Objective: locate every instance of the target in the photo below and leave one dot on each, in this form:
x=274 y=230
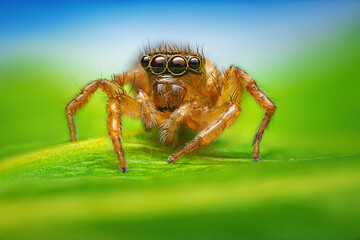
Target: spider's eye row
x=177 y=65
x=194 y=63
x=145 y=61
x=158 y=64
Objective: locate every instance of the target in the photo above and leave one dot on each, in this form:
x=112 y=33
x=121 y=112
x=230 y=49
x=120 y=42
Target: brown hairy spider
x=175 y=86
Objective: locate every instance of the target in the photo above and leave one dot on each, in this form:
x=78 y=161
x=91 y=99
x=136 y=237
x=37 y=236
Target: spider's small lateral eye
x=177 y=65
x=145 y=61
x=158 y=64
x=194 y=63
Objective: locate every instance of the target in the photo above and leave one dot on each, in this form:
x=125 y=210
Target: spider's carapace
x=175 y=86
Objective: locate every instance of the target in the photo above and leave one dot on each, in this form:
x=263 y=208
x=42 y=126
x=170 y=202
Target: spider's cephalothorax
x=175 y=86
x=170 y=74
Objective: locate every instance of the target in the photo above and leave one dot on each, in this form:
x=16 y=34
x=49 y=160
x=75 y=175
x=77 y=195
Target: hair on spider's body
x=172 y=49
x=175 y=86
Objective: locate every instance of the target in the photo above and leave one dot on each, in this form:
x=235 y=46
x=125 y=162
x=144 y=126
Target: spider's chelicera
x=175 y=86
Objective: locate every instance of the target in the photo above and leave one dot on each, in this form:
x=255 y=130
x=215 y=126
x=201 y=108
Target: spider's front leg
x=235 y=80
x=225 y=114
x=120 y=102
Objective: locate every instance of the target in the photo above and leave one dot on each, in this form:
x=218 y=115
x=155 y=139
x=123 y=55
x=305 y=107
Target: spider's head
x=171 y=71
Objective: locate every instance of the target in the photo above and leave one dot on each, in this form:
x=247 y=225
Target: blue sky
x=105 y=36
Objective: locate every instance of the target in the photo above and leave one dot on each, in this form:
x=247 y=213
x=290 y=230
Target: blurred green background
x=305 y=56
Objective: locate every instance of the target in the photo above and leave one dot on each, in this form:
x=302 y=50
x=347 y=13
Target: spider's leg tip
x=257 y=159
x=123 y=169
x=170 y=160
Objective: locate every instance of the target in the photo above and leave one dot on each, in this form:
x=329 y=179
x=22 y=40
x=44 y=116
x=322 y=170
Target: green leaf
x=75 y=190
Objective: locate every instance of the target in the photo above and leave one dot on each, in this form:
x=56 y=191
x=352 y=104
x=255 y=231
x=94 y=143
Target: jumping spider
x=175 y=86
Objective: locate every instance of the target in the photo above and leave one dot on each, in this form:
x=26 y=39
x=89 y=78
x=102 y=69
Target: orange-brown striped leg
x=76 y=104
x=263 y=100
x=110 y=88
x=114 y=128
x=211 y=132
x=136 y=78
x=169 y=127
x=147 y=110
x=117 y=97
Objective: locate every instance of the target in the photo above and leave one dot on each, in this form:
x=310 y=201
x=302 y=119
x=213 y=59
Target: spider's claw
x=257 y=159
x=170 y=160
x=123 y=169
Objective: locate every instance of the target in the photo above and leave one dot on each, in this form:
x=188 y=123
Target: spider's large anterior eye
x=177 y=65
x=158 y=64
x=145 y=61
x=194 y=63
